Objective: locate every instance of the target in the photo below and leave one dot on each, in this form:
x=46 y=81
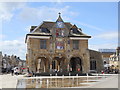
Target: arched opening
x=42 y=64
x=53 y=64
x=57 y=63
x=76 y=64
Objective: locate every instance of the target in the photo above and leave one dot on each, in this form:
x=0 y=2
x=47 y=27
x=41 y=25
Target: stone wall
x=95 y=55
x=34 y=53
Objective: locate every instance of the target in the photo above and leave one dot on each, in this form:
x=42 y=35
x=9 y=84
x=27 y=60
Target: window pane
x=75 y=44
x=43 y=44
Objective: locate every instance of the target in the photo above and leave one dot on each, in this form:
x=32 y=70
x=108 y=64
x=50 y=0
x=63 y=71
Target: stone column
x=38 y=65
x=44 y=60
x=58 y=65
x=68 y=65
x=64 y=67
x=50 y=63
x=47 y=65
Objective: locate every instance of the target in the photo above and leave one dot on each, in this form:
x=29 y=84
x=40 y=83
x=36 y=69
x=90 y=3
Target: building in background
x=114 y=60
x=0 y=62
x=106 y=53
x=96 y=62
x=58 y=46
x=8 y=62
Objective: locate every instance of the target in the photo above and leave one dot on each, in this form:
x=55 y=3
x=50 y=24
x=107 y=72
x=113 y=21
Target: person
x=102 y=72
x=12 y=71
x=78 y=69
x=16 y=70
x=28 y=70
x=33 y=73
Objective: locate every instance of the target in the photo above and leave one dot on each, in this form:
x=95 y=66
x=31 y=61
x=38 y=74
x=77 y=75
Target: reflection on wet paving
x=55 y=82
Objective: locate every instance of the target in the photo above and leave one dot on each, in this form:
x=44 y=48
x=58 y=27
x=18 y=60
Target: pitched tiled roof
x=46 y=26
x=49 y=25
x=46 y=29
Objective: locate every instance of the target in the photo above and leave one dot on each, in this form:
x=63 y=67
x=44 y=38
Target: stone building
x=114 y=60
x=96 y=62
x=106 y=53
x=0 y=62
x=57 y=46
x=11 y=61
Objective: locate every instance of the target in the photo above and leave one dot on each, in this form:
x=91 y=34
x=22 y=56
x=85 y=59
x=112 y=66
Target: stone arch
x=76 y=64
x=57 y=63
x=42 y=64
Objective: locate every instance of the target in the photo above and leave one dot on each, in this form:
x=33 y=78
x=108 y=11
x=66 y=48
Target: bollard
x=63 y=80
x=40 y=83
x=47 y=83
x=77 y=79
x=56 y=82
x=97 y=75
x=73 y=82
x=104 y=75
x=69 y=74
x=56 y=74
x=87 y=77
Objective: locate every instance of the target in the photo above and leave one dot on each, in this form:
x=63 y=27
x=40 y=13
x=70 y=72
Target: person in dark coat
x=12 y=71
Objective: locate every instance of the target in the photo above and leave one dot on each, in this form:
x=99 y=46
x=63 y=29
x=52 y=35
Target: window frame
x=43 y=44
x=75 y=45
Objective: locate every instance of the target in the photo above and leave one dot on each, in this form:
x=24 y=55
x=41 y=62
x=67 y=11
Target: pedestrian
x=78 y=69
x=12 y=71
x=28 y=70
x=102 y=72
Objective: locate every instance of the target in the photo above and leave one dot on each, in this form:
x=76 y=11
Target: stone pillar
x=86 y=63
x=44 y=66
x=58 y=65
x=50 y=66
x=68 y=65
x=38 y=65
x=47 y=65
x=64 y=65
x=50 y=63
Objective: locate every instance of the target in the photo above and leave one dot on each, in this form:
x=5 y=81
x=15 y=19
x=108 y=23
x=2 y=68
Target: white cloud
x=44 y=13
x=107 y=35
x=103 y=46
x=7 y=9
x=2 y=36
x=27 y=29
x=91 y=26
x=16 y=47
x=88 y=25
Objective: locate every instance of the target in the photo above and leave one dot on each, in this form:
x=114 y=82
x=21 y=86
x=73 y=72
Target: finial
x=59 y=13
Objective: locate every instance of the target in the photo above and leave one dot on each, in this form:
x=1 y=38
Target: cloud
x=90 y=26
x=27 y=29
x=16 y=47
x=27 y=14
x=45 y=13
x=103 y=46
x=2 y=36
x=7 y=9
x=107 y=35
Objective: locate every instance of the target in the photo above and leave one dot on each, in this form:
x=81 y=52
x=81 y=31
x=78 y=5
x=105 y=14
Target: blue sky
x=98 y=19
